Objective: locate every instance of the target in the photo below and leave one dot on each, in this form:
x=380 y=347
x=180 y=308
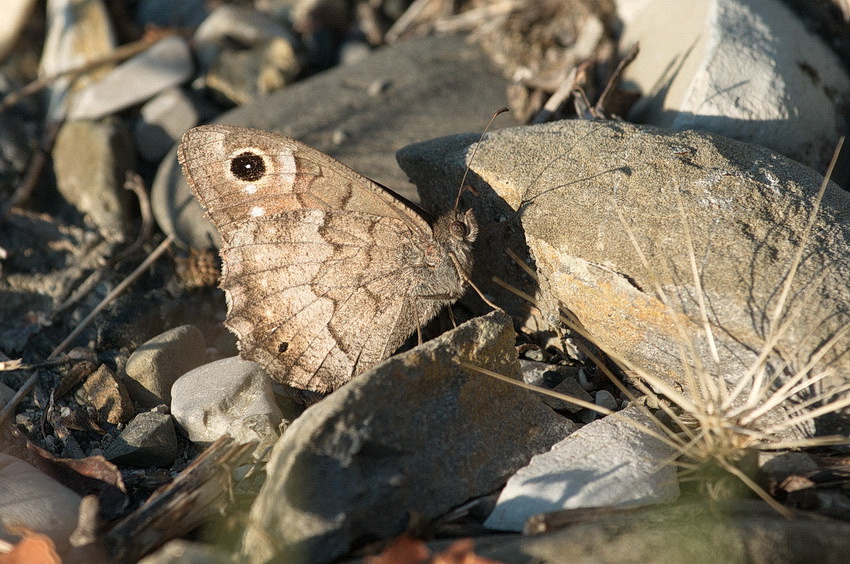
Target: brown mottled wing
x=313 y=253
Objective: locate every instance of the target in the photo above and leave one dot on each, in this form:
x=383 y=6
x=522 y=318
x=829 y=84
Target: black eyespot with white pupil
x=248 y=166
x=458 y=229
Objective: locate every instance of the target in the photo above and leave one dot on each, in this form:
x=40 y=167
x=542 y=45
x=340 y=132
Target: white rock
x=31 y=498
x=15 y=14
x=227 y=397
x=164 y=64
x=607 y=462
x=748 y=69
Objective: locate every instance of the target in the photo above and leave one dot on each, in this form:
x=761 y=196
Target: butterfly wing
x=320 y=264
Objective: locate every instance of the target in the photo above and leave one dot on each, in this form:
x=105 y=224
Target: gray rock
x=696 y=533
x=607 y=462
x=149 y=439
x=165 y=64
x=167 y=13
x=780 y=465
x=227 y=397
x=435 y=86
x=90 y=161
x=243 y=76
x=154 y=367
x=747 y=69
x=556 y=378
x=605 y=399
x=747 y=209
x=181 y=551
x=416 y=434
x=163 y=119
x=77 y=33
x=6 y=394
x=229 y=23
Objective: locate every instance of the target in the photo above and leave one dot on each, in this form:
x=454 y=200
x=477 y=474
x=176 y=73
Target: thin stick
x=9 y=408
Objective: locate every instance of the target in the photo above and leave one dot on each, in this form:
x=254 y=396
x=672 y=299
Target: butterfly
x=326 y=272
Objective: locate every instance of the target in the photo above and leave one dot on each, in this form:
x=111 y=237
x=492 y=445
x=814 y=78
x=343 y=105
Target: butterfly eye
x=248 y=166
x=458 y=229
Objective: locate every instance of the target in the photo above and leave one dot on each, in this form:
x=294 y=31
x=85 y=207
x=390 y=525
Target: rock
x=606 y=463
x=166 y=13
x=228 y=24
x=244 y=76
x=227 y=397
x=163 y=119
x=557 y=379
x=695 y=532
x=268 y=57
x=430 y=83
x=15 y=15
x=6 y=394
x=78 y=32
x=90 y=161
x=347 y=470
x=163 y=65
x=154 y=367
x=30 y=498
x=746 y=209
x=746 y=69
x=606 y=399
x=181 y=551
x=109 y=396
x=780 y=465
x=148 y=440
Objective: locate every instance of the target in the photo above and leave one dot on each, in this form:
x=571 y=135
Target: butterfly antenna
x=472 y=156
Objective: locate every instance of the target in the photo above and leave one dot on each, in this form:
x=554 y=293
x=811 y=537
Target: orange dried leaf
x=403 y=550
x=461 y=552
x=33 y=548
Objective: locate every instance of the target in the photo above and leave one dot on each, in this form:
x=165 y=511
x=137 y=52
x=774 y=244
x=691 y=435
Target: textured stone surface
x=417 y=433
x=230 y=396
x=747 y=69
x=745 y=207
x=154 y=367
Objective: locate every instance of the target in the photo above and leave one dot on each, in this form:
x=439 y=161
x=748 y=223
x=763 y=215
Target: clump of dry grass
x=716 y=428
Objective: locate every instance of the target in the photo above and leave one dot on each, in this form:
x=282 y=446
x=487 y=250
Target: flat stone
x=747 y=69
x=429 y=85
x=90 y=161
x=162 y=120
x=418 y=433
x=226 y=397
x=165 y=64
x=605 y=463
x=153 y=368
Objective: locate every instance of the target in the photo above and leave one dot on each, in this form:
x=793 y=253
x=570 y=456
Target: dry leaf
x=33 y=548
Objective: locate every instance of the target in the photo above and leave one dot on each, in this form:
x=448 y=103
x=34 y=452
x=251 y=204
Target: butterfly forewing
x=320 y=265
